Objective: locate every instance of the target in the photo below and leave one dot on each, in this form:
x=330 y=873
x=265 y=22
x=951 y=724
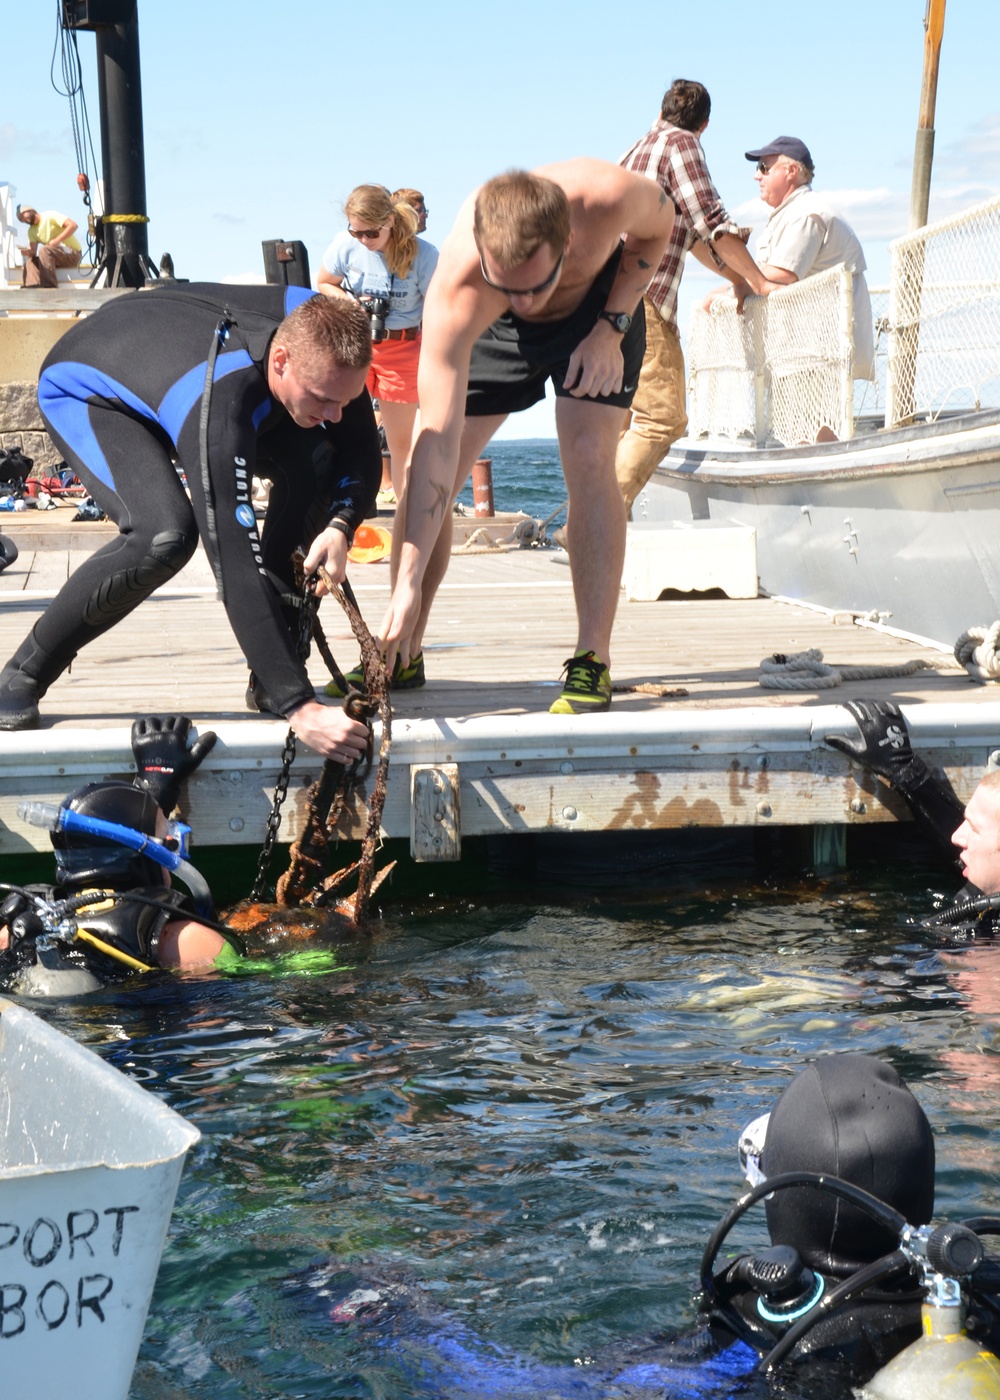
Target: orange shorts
x=393 y=375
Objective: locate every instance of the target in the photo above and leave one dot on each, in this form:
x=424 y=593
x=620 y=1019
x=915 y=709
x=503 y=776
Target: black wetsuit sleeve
x=933 y=803
x=357 y=461
x=234 y=545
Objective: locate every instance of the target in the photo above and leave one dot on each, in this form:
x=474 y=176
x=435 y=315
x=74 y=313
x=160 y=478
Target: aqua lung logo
x=244 y=508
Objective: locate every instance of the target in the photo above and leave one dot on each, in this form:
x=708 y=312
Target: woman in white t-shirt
x=380 y=260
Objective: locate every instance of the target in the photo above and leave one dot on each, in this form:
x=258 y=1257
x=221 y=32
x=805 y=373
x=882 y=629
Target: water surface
x=516 y=1115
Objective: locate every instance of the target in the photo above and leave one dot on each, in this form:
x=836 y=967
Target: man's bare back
x=536 y=249
x=595 y=195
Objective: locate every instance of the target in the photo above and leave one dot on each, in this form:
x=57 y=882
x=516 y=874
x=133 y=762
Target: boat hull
x=905 y=523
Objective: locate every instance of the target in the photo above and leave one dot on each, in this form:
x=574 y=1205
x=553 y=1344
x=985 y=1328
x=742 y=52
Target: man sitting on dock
x=51 y=245
x=541 y=277
x=671 y=153
x=233 y=382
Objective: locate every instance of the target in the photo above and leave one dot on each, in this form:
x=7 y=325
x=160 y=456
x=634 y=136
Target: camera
x=378 y=309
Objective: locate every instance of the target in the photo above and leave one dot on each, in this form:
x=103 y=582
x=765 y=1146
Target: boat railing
x=944 y=314
x=781 y=370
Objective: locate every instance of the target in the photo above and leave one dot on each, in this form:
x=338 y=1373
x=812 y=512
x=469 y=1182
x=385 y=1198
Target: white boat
x=899 y=517
x=89 y=1167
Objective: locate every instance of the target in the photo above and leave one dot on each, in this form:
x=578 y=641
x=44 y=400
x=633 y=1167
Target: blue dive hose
x=56 y=818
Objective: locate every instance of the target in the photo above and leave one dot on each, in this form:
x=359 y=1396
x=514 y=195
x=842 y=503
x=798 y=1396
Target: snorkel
x=63 y=819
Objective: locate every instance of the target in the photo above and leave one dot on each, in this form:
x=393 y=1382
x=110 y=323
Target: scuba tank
x=943 y=1364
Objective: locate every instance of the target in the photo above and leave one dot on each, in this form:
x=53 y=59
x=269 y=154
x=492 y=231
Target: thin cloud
x=228 y=218
x=15 y=143
x=973 y=158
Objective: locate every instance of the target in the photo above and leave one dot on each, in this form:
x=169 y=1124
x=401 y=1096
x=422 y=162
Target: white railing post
x=756 y=309
x=847 y=354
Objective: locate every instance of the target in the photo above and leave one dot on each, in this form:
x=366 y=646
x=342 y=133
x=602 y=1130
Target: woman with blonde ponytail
x=380 y=261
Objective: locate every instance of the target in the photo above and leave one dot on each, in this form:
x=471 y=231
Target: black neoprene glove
x=885 y=748
x=162 y=757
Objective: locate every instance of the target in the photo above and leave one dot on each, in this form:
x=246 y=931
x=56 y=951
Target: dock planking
x=475 y=751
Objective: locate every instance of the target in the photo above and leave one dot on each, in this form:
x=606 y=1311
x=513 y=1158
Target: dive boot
x=24 y=680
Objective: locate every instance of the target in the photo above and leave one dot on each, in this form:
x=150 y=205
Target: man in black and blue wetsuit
x=228 y=382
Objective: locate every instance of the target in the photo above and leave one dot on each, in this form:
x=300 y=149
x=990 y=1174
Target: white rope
x=976 y=650
x=806 y=670
x=479 y=542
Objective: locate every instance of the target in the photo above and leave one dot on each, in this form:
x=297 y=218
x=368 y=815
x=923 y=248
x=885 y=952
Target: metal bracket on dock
x=435 y=812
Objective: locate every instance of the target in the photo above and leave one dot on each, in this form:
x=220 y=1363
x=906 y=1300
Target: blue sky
x=260 y=119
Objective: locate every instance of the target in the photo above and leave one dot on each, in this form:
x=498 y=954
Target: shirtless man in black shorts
x=542 y=276
x=229 y=382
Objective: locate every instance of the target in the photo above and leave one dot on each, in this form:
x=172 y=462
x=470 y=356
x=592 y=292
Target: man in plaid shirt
x=670 y=153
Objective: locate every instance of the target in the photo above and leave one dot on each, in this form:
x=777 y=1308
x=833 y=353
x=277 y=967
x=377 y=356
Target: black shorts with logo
x=512 y=359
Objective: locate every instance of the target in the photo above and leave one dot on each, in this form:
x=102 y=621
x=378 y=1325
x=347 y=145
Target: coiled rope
x=806 y=670
x=976 y=650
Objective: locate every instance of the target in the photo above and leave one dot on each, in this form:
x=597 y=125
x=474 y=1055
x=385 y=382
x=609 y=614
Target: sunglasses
x=523 y=291
x=365 y=233
x=763 y=167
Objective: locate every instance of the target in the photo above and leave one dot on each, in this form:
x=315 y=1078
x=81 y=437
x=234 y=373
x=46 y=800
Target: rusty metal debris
x=664 y=692
x=304 y=884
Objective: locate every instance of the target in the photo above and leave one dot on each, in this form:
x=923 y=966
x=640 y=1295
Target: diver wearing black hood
x=845 y=1165
x=833 y=1270
x=113 y=907
x=852 y=1117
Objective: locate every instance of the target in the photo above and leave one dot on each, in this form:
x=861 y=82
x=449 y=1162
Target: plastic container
x=89 y=1167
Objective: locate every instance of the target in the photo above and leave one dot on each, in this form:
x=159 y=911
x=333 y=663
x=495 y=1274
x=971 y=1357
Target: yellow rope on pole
x=125 y=218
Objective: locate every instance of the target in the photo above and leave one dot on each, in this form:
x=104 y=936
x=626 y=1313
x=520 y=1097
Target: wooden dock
x=475 y=751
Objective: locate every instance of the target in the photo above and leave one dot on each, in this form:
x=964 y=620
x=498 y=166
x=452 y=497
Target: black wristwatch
x=339 y=523
x=621 y=320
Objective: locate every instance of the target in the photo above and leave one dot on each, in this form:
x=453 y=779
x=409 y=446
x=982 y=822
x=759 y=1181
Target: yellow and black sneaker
x=355 y=681
x=408 y=677
x=588 y=686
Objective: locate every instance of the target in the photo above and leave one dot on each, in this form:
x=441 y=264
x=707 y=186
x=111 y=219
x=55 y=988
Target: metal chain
x=274 y=817
x=307 y=614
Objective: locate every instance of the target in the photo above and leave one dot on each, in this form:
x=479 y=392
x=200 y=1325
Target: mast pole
x=125 y=245
x=923 y=155
x=908 y=273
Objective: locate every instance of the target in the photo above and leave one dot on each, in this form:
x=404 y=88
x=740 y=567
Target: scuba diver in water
x=854 y=1288
x=846 y=1121
x=885 y=749
x=113 y=909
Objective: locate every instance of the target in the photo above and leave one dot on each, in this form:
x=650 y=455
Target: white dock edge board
x=756 y=765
